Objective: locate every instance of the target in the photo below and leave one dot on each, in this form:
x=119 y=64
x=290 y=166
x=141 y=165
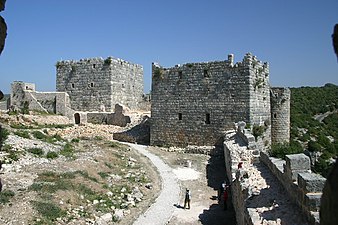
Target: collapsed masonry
x=88 y=90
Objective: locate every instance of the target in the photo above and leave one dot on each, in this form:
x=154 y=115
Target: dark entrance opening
x=77 y=118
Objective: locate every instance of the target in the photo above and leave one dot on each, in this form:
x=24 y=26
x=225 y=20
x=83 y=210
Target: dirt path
x=161 y=211
x=203 y=179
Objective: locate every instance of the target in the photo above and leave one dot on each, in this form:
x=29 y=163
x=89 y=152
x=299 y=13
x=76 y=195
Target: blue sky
x=293 y=36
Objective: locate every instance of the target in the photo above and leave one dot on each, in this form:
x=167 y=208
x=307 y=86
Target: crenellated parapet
x=97 y=84
x=195 y=103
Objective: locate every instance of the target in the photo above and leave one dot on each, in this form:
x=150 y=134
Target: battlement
x=98 y=84
x=97 y=61
x=249 y=62
x=195 y=103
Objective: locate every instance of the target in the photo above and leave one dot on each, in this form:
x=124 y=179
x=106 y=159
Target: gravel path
x=161 y=211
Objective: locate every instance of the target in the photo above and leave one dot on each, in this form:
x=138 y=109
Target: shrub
x=39 y=135
x=98 y=138
x=22 y=133
x=52 y=155
x=4 y=134
x=103 y=175
x=75 y=140
x=314 y=146
x=281 y=150
x=36 y=151
x=5 y=196
x=67 y=151
x=48 y=210
x=257 y=131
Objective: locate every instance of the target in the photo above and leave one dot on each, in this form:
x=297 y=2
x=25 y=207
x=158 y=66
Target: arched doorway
x=77 y=118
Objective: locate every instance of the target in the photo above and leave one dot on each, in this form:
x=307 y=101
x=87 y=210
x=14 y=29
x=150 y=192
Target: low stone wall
x=300 y=185
x=303 y=186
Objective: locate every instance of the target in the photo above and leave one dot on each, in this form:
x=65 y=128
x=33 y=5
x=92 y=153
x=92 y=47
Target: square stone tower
x=196 y=103
x=98 y=84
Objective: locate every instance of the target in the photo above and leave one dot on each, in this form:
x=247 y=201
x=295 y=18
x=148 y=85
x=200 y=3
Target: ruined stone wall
x=24 y=95
x=196 y=103
x=303 y=186
x=280 y=115
x=97 y=84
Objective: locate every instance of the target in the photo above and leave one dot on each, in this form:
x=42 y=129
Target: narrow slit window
x=207 y=118
x=92 y=84
x=94 y=65
x=206 y=73
x=275 y=115
x=73 y=85
x=180 y=74
x=179 y=116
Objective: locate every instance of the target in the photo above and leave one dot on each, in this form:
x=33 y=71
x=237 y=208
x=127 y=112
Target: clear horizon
x=294 y=37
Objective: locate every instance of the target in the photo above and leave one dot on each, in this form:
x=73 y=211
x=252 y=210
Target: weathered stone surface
x=118 y=118
x=24 y=96
x=196 y=103
x=98 y=84
x=298 y=162
x=311 y=182
x=280 y=115
x=97 y=118
x=312 y=201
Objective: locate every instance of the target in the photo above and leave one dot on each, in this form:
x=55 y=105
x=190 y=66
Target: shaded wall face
x=196 y=103
x=97 y=84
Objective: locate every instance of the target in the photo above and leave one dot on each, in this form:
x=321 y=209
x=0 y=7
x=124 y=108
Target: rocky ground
x=59 y=173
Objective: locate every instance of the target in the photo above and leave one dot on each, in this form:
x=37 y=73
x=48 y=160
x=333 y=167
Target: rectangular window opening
x=94 y=65
x=73 y=85
x=92 y=84
x=206 y=73
x=179 y=116
x=207 y=118
x=180 y=74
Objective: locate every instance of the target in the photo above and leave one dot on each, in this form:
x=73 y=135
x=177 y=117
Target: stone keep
x=196 y=103
x=98 y=84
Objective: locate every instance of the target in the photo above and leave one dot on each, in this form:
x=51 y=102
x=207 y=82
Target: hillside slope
x=314 y=122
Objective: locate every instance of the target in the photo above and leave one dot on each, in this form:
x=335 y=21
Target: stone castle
x=196 y=103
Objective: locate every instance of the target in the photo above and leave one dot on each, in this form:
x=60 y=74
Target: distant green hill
x=314 y=122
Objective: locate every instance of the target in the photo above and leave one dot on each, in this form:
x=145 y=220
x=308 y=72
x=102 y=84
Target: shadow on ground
x=139 y=134
x=216 y=175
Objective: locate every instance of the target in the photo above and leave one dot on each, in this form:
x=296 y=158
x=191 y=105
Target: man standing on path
x=187 y=198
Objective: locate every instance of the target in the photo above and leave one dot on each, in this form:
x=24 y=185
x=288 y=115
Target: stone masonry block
x=298 y=162
x=311 y=182
x=312 y=201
